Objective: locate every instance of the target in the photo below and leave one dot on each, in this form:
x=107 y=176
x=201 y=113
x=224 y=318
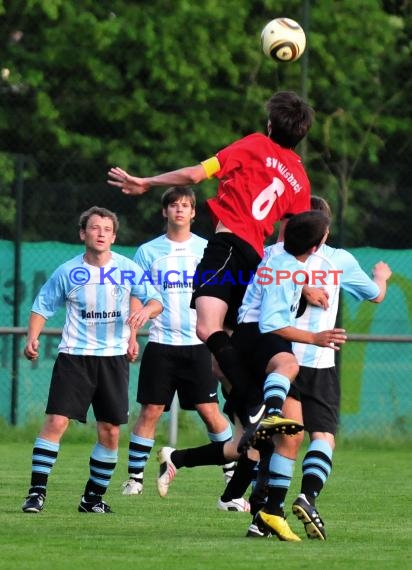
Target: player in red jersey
x=261 y=181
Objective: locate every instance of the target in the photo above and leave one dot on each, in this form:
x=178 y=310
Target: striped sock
x=102 y=464
x=316 y=468
x=275 y=390
x=44 y=457
x=280 y=477
x=139 y=452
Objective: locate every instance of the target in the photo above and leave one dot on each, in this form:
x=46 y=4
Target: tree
x=356 y=94
x=153 y=85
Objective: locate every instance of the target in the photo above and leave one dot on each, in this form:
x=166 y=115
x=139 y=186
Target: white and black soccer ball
x=283 y=40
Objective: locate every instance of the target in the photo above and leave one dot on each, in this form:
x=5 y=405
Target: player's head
x=318 y=203
x=98 y=211
x=176 y=193
x=289 y=118
x=182 y=198
x=305 y=231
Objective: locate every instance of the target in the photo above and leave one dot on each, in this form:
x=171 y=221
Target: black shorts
x=80 y=381
x=318 y=390
x=227 y=266
x=167 y=369
x=256 y=348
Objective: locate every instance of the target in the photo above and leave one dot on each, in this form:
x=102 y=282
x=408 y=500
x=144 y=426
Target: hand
x=31 y=350
x=129 y=184
x=132 y=349
x=330 y=338
x=139 y=318
x=316 y=296
x=381 y=271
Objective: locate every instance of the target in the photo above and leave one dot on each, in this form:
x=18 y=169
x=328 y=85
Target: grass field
x=367 y=509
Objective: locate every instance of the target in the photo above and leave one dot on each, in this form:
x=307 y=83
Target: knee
x=325 y=436
x=202 y=332
x=209 y=413
x=230 y=451
x=285 y=364
x=293 y=370
x=150 y=414
x=54 y=427
x=108 y=434
x=289 y=445
x=213 y=418
x=290 y=369
x=297 y=439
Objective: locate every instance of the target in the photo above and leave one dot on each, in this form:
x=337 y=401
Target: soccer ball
x=283 y=40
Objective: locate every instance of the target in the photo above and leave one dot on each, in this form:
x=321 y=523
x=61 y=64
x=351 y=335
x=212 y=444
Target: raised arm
x=381 y=273
x=135 y=186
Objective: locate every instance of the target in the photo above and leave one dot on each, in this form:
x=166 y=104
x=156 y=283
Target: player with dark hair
x=92 y=366
x=268 y=308
x=261 y=181
x=314 y=396
x=174 y=359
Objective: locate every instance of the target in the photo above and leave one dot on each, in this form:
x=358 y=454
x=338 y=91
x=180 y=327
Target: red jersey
x=260 y=183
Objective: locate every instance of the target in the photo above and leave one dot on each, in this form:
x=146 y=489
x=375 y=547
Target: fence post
x=19 y=168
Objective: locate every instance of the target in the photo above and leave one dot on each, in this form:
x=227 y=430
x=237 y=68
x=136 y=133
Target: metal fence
x=382 y=388
x=375 y=367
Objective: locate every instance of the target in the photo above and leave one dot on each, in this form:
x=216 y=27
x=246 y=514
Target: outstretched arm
x=134 y=186
x=329 y=339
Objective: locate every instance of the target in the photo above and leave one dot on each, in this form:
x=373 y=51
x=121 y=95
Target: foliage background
x=156 y=85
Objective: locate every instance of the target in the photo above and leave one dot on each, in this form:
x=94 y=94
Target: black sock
x=210 y=454
x=93 y=490
x=259 y=493
x=230 y=363
x=241 y=479
x=311 y=487
x=275 y=501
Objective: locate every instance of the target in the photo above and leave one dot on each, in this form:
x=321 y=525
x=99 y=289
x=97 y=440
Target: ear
x=325 y=237
x=164 y=213
x=193 y=214
x=82 y=235
x=113 y=238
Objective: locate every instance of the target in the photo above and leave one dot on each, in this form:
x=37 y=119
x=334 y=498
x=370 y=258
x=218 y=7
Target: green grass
x=366 y=506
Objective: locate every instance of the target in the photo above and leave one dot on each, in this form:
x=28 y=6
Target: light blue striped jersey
x=97 y=303
x=172 y=265
x=271 y=299
x=329 y=268
x=342 y=270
